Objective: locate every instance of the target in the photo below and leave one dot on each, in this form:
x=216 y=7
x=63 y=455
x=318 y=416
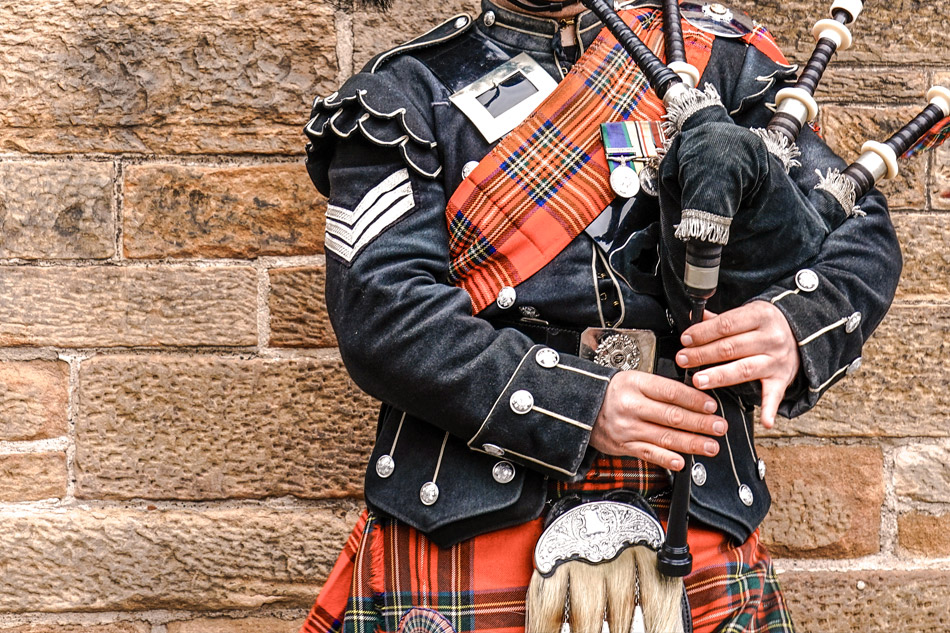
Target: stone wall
x=180 y=448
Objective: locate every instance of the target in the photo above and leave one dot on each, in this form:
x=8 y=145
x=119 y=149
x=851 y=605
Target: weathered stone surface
x=181 y=76
x=117 y=627
x=241 y=212
x=56 y=210
x=108 y=560
x=227 y=625
x=845 y=84
x=868 y=601
x=209 y=427
x=32 y=476
x=902 y=389
x=33 y=400
x=922 y=472
x=128 y=306
x=925 y=244
x=375 y=32
x=847 y=128
x=925 y=534
x=298 y=308
x=906 y=32
x=826 y=501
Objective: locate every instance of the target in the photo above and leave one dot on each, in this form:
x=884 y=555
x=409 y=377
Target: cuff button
x=506 y=297
x=699 y=474
x=745 y=495
x=385 y=466
x=429 y=493
x=853 y=322
x=491 y=449
x=503 y=472
x=854 y=366
x=547 y=358
x=807 y=280
x=468 y=168
x=521 y=402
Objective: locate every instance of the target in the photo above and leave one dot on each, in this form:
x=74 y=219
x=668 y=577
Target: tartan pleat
x=396 y=574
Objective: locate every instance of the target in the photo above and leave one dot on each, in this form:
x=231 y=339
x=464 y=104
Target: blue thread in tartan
x=462 y=231
x=544 y=163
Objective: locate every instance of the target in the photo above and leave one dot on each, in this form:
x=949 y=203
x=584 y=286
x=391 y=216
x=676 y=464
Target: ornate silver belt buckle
x=622 y=349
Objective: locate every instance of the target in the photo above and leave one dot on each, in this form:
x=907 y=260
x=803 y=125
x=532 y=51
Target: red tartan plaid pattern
x=934 y=138
x=548 y=179
x=391 y=578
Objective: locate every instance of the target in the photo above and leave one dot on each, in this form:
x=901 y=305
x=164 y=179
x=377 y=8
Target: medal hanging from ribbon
x=630 y=146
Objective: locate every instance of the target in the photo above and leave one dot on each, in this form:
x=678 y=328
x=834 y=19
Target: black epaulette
x=448 y=30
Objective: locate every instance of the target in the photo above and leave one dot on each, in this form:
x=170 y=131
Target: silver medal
x=624 y=181
x=649 y=179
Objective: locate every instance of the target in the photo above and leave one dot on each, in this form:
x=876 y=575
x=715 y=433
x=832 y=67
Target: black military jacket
x=477 y=414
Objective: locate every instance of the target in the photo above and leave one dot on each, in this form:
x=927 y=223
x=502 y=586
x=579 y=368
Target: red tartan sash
x=548 y=178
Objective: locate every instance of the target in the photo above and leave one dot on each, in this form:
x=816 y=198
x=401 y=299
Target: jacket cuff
x=544 y=416
x=827 y=328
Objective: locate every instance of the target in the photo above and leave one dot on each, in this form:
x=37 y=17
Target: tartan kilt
x=390 y=577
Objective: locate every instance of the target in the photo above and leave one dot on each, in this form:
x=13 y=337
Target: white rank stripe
x=349 y=231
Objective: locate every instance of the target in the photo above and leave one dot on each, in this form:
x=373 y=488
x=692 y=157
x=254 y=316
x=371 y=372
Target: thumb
x=772 y=394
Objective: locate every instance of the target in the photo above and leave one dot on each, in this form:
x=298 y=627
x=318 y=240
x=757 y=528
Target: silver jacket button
x=385 y=466
x=491 y=449
x=503 y=472
x=761 y=466
x=745 y=495
x=468 y=168
x=699 y=474
x=547 y=358
x=521 y=401
x=854 y=366
x=429 y=493
x=853 y=322
x=807 y=280
x=461 y=22
x=506 y=297
x=489 y=18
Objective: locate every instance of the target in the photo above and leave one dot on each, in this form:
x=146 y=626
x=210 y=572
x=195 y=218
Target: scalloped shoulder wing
x=377 y=109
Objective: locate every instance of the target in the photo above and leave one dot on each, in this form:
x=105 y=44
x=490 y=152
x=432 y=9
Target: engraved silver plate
x=595 y=532
x=718 y=19
x=622 y=349
x=491 y=127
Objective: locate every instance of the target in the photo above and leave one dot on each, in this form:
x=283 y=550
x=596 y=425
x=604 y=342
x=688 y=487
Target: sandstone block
x=182 y=76
x=298 y=308
x=241 y=212
x=826 y=501
x=900 y=33
x=925 y=244
x=872 y=85
x=32 y=476
x=128 y=560
x=207 y=427
x=922 y=472
x=925 y=534
x=868 y=601
x=33 y=400
x=117 y=627
x=127 y=306
x=56 y=210
x=847 y=128
x=901 y=390
x=375 y=32
x=227 y=625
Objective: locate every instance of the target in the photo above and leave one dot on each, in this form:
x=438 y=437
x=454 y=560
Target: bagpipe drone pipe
x=727 y=202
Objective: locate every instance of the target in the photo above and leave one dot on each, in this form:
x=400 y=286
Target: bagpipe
x=705 y=206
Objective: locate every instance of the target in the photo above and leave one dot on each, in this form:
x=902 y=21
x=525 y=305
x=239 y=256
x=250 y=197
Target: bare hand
x=754 y=342
x=655 y=418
